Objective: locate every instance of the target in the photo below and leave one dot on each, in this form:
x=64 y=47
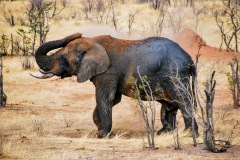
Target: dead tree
x=176 y=137
x=208 y=131
x=233 y=80
x=3 y=97
x=144 y=87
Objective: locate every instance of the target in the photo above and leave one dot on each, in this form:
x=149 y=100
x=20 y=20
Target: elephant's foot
x=103 y=134
x=190 y=131
x=164 y=130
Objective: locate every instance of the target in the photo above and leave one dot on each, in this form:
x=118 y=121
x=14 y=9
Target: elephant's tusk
x=45 y=76
x=43 y=72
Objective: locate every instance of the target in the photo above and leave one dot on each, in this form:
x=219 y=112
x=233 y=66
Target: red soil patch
x=190 y=41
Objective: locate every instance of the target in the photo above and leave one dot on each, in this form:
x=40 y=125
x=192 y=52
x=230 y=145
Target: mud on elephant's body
x=111 y=63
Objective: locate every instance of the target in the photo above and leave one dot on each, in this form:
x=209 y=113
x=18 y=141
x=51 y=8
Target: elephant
x=111 y=63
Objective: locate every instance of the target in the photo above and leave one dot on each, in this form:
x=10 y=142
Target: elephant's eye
x=64 y=63
x=81 y=55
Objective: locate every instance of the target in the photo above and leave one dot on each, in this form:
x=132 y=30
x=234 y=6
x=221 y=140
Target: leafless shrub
x=131 y=19
x=177 y=143
x=233 y=80
x=4 y=44
x=38 y=127
x=144 y=87
x=198 y=10
x=57 y=11
x=157 y=25
x=67 y=122
x=114 y=18
x=7 y=15
x=9 y=18
x=89 y=4
x=229 y=141
x=158 y=4
x=87 y=7
x=2 y=145
x=26 y=62
x=186 y=98
x=15 y=46
x=227 y=20
x=176 y=23
x=102 y=11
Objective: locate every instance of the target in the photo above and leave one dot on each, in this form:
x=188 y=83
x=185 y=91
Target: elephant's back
x=156 y=55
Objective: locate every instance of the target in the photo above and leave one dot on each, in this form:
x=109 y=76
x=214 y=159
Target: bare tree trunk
x=34 y=42
x=234 y=82
x=3 y=97
x=12 y=46
x=209 y=92
x=176 y=137
x=209 y=139
x=233 y=85
x=238 y=88
x=237 y=103
x=193 y=130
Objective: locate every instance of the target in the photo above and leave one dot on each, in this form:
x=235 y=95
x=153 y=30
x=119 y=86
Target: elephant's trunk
x=43 y=60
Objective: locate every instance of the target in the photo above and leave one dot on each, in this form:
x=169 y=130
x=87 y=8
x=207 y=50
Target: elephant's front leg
x=96 y=116
x=102 y=116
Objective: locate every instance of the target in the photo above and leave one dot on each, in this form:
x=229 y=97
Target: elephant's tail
x=193 y=73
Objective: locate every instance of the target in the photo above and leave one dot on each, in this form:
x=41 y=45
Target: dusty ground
x=52 y=119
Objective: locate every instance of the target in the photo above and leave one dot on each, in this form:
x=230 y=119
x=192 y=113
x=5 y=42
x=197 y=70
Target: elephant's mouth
x=48 y=74
x=64 y=75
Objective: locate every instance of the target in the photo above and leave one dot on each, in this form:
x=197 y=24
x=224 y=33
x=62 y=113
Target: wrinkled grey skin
x=111 y=63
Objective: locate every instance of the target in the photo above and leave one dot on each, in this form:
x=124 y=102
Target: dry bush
x=27 y=62
x=10 y=13
x=67 y=121
x=8 y=150
x=38 y=127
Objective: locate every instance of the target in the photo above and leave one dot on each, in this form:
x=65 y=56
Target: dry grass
x=72 y=19
x=34 y=124
x=51 y=119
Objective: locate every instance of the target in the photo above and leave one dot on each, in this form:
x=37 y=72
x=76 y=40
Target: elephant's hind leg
x=168 y=117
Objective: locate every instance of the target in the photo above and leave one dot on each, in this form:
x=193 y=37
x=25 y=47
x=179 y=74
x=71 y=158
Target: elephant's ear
x=95 y=61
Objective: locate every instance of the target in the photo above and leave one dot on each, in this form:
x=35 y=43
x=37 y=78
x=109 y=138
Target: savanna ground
x=52 y=119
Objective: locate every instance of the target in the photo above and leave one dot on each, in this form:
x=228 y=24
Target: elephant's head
x=78 y=56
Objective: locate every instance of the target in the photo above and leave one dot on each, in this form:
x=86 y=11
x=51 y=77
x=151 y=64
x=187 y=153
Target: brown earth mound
x=191 y=41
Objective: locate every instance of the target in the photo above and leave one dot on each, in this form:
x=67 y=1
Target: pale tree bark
x=3 y=97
